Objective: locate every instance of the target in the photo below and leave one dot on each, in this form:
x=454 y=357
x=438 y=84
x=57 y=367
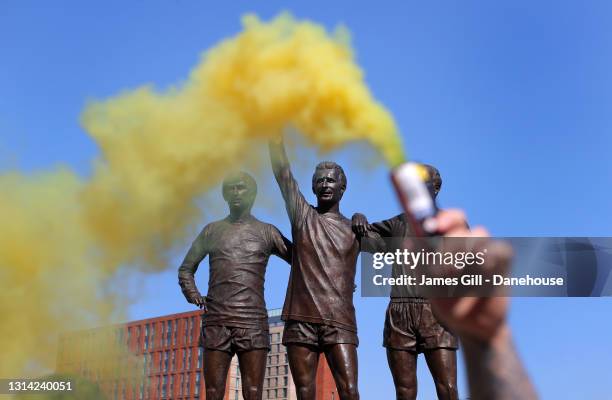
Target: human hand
x=479 y=318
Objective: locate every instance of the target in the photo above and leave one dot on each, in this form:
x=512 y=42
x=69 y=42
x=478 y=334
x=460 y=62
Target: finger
x=460 y=232
x=449 y=220
x=480 y=231
x=463 y=231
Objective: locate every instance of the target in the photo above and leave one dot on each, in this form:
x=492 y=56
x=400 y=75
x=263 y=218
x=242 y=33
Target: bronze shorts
x=318 y=335
x=233 y=339
x=410 y=325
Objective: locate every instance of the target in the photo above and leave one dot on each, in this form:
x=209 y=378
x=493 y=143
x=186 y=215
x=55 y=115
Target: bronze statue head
x=328 y=182
x=434 y=183
x=239 y=190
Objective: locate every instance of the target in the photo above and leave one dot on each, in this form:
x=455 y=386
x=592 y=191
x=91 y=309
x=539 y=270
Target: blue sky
x=511 y=102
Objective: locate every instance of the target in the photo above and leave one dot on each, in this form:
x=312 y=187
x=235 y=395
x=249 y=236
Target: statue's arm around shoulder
x=281 y=246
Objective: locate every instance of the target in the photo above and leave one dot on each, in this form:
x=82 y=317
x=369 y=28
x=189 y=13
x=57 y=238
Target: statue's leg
x=303 y=361
x=403 y=365
x=342 y=360
x=252 y=370
x=216 y=365
x=442 y=364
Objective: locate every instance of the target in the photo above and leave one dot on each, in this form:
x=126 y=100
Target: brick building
x=164 y=361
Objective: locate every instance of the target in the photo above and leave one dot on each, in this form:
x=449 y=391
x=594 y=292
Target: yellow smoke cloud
x=64 y=238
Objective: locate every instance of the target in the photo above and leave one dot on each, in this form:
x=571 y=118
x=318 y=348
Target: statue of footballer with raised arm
x=318 y=312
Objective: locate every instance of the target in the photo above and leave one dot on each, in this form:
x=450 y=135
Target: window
x=144 y=363
x=147 y=387
x=129 y=335
x=173 y=361
x=190 y=332
x=180 y=385
x=171 y=387
x=119 y=336
x=184 y=365
x=199 y=357
x=197 y=384
x=164 y=384
x=166 y=361
x=152 y=343
x=168 y=332
x=146 y=338
x=188 y=358
x=174 y=332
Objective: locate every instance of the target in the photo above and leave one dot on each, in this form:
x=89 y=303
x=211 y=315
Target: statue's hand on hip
x=199 y=301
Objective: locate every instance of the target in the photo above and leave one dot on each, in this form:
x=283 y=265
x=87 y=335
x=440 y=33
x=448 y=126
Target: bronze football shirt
x=238 y=255
x=325 y=251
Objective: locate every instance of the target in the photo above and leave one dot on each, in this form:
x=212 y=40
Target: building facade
x=163 y=360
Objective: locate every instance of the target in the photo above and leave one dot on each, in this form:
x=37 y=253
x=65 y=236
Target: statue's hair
x=330 y=165
x=434 y=177
x=248 y=179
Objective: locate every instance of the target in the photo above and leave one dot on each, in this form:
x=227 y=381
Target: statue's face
x=327 y=186
x=238 y=194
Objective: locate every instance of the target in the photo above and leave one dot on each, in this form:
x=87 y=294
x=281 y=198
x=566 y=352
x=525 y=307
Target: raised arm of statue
x=295 y=202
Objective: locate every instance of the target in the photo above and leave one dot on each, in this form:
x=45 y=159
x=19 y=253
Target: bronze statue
x=235 y=320
x=410 y=325
x=318 y=309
